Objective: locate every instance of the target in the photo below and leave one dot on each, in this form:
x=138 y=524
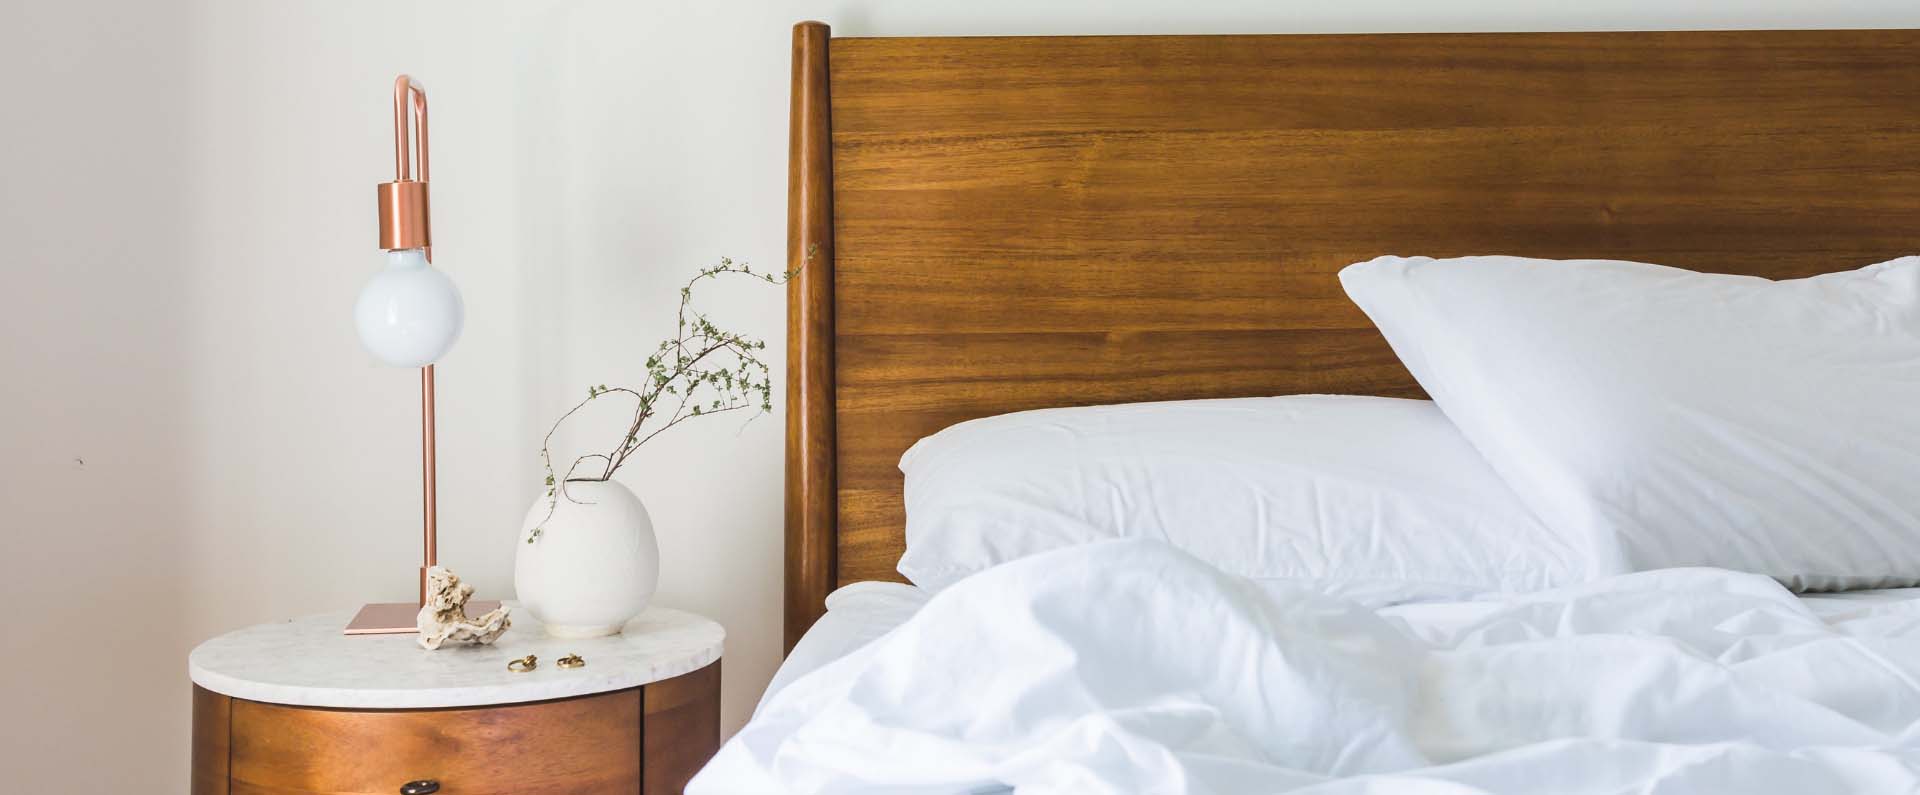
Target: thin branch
x=720 y=389
x=646 y=407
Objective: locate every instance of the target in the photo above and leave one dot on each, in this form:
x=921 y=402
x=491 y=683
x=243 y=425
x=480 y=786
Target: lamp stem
x=405 y=225
x=429 y=506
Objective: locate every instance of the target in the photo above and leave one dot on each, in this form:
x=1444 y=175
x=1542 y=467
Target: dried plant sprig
x=703 y=369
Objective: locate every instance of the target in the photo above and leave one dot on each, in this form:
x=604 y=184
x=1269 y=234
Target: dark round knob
x=425 y=786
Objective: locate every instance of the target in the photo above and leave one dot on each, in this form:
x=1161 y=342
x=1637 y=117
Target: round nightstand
x=298 y=707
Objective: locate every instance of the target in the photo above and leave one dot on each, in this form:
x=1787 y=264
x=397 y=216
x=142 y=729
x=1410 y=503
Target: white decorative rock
x=595 y=563
x=444 y=617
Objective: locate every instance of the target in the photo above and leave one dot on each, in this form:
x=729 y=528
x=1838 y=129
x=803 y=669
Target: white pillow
x=1372 y=498
x=1690 y=419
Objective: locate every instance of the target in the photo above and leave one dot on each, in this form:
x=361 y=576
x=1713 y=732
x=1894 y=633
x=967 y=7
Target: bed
x=986 y=225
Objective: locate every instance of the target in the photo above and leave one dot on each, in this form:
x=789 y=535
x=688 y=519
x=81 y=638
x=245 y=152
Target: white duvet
x=1126 y=666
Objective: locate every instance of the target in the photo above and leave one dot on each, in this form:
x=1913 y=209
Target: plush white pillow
x=1378 y=499
x=1690 y=419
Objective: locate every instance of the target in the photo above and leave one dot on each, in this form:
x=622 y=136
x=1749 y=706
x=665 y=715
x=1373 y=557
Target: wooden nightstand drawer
x=587 y=745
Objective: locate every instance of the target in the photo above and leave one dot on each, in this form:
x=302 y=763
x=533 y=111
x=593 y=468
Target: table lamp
x=409 y=315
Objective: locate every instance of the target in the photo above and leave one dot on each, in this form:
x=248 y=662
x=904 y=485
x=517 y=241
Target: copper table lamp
x=409 y=315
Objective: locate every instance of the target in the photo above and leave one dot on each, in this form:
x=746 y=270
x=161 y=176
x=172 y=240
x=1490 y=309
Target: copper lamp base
x=385 y=618
x=399 y=618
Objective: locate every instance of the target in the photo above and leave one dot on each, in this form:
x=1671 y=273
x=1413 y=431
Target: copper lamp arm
x=410 y=221
x=404 y=218
x=406 y=224
x=404 y=87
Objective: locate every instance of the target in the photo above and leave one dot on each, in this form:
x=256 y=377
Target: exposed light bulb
x=410 y=313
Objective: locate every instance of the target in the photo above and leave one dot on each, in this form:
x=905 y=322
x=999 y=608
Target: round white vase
x=595 y=563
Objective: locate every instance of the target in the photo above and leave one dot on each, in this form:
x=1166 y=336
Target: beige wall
x=193 y=440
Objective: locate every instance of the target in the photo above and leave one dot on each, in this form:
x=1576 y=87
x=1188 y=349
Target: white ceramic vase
x=595 y=563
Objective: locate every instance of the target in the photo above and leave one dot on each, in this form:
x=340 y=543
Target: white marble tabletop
x=308 y=662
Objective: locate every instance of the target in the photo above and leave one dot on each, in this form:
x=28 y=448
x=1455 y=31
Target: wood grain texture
x=211 y=714
x=682 y=729
x=580 y=746
x=811 y=497
x=1029 y=222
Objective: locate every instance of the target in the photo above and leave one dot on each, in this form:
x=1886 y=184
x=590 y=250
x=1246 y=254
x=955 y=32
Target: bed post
x=812 y=502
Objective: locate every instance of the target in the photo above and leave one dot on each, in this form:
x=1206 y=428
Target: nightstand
x=297 y=707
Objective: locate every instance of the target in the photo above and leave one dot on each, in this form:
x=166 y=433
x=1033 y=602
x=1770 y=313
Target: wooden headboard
x=998 y=224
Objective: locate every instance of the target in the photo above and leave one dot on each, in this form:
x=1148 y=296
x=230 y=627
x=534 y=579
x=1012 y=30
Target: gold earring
x=524 y=664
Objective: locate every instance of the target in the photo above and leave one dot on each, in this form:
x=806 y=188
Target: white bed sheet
x=1081 y=672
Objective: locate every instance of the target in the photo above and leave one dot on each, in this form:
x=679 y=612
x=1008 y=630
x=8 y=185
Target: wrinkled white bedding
x=1126 y=666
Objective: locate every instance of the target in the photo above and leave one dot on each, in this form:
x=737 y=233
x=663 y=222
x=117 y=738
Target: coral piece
x=444 y=617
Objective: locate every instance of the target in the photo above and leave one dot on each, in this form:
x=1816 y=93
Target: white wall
x=193 y=440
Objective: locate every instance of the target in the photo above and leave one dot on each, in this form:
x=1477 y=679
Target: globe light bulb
x=410 y=313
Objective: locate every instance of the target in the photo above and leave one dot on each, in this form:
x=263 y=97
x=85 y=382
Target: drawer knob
x=425 y=786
